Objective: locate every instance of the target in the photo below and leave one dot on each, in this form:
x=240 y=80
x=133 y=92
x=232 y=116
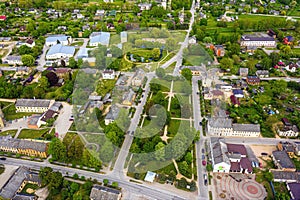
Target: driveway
x=62 y=123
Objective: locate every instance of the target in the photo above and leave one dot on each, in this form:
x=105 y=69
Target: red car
x=203 y=162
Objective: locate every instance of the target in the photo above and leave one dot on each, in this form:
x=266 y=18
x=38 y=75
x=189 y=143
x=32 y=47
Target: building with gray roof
x=282 y=161
x=60 y=51
x=222 y=126
x=285 y=176
x=55 y=39
x=16 y=183
x=220 y=161
x=83 y=53
x=97 y=38
x=112 y=115
x=104 y=193
x=33 y=105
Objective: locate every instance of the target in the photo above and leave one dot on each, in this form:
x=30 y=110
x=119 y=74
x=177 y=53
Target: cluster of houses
x=17 y=181
x=229 y=157
x=285 y=168
x=288 y=129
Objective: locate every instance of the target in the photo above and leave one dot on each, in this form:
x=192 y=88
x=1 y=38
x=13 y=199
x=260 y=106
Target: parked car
x=202 y=150
x=203 y=157
x=205 y=179
x=203 y=162
x=2 y=158
x=200 y=123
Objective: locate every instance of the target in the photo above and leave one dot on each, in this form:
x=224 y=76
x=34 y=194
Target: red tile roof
x=237 y=148
x=235 y=166
x=246 y=164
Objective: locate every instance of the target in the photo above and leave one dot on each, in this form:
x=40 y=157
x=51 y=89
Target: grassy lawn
x=9 y=132
x=33 y=134
x=171 y=68
x=173 y=128
x=105 y=86
x=260 y=179
x=115 y=39
x=77 y=43
x=11 y=114
x=29 y=186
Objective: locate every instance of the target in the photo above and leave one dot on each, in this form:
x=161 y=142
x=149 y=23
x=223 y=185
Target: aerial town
x=144 y=100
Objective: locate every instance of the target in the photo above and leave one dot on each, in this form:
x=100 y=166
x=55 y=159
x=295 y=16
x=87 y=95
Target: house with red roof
x=2 y=17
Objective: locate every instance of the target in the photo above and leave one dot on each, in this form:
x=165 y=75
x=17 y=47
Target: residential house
x=292 y=67
x=13 y=60
x=108 y=74
x=262 y=73
x=30 y=42
x=59 y=51
x=2 y=18
x=238 y=93
x=234 y=101
x=105 y=193
x=221 y=126
x=287 y=147
x=285 y=176
x=219 y=50
x=217 y=94
x=288 y=40
x=144 y=6
x=196 y=70
x=297 y=148
x=225 y=87
x=112 y=115
x=288 y=129
x=63 y=72
x=32 y=122
x=97 y=38
x=24 y=147
x=33 y=105
x=16 y=183
x=282 y=161
x=138 y=78
x=128 y=98
x=50 y=114
x=243 y=72
x=192 y=40
x=253 y=80
x=257 y=41
x=58 y=39
x=294 y=189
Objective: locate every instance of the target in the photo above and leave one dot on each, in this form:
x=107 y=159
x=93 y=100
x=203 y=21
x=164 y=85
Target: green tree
x=207 y=40
x=160 y=72
x=24 y=50
x=171 y=44
x=188 y=158
x=105 y=181
x=72 y=63
x=156 y=53
x=57 y=149
x=187 y=74
x=183 y=167
x=226 y=63
x=28 y=60
x=107 y=152
x=160 y=151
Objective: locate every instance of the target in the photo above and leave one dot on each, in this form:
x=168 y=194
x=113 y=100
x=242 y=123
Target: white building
x=97 y=38
x=59 y=51
x=13 y=60
x=112 y=115
x=224 y=127
x=145 y=6
x=220 y=161
x=257 y=41
x=291 y=131
x=33 y=105
x=55 y=39
x=108 y=74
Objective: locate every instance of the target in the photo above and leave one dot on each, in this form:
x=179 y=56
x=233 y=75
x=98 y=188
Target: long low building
x=23 y=147
x=257 y=41
x=33 y=105
x=225 y=127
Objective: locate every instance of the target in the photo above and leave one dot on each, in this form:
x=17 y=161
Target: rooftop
x=55 y=38
x=219 y=148
x=100 y=37
x=283 y=159
x=246 y=127
x=237 y=148
x=104 y=193
x=286 y=175
x=220 y=122
x=33 y=103
x=295 y=190
x=59 y=48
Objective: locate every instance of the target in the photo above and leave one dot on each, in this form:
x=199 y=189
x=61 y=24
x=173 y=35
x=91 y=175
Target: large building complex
x=257 y=41
x=33 y=105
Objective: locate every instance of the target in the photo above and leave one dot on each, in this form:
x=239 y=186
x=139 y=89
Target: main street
x=201 y=170
x=131 y=187
x=120 y=162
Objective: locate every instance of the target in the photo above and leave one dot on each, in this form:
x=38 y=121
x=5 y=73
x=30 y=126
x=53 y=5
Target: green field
x=33 y=134
x=9 y=132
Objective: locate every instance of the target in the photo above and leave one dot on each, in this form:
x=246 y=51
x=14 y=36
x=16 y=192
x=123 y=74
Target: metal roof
x=59 y=48
x=54 y=38
x=100 y=37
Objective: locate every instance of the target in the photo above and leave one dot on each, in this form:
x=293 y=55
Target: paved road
x=42 y=59
x=120 y=162
x=62 y=123
x=150 y=191
x=264 y=79
x=202 y=189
